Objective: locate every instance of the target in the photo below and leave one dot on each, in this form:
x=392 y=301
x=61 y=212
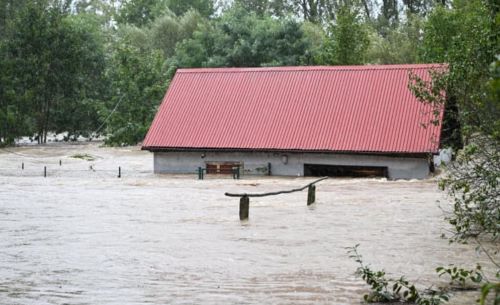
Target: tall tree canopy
x=240 y=39
x=53 y=64
x=140 y=12
x=347 y=40
x=204 y=7
x=63 y=63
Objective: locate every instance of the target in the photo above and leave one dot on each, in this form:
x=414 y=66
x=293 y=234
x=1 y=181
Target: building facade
x=296 y=121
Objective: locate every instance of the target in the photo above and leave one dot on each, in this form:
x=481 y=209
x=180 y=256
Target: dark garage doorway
x=320 y=170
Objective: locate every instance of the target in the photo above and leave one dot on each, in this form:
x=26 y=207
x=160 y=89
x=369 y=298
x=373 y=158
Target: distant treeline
x=102 y=66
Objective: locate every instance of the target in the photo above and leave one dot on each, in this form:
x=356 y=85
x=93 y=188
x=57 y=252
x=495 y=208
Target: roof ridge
x=309 y=68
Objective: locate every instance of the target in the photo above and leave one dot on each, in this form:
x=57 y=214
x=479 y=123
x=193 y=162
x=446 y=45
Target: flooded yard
x=83 y=236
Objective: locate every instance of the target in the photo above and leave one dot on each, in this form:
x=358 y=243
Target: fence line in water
x=56 y=170
x=245 y=197
x=59 y=169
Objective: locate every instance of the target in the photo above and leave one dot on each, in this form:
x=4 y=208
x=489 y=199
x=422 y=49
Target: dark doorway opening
x=320 y=170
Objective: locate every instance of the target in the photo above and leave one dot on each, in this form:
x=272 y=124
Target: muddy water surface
x=83 y=236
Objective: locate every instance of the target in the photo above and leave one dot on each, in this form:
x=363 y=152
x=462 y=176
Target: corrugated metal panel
x=348 y=108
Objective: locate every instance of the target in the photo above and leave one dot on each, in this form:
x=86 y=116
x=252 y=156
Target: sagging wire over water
x=109 y=115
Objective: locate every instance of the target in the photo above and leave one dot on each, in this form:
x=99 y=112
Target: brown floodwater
x=83 y=236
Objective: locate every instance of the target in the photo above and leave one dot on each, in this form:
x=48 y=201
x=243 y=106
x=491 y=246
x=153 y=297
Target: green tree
x=141 y=12
x=13 y=118
x=315 y=36
x=420 y=7
x=239 y=39
x=8 y=9
x=314 y=11
x=138 y=81
x=347 y=40
x=103 y=10
x=279 y=8
x=163 y=33
x=466 y=37
x=317 y=11
x=390 y=12
x=54 y=65
x=83 y=84
x=139 y=37
x=180 y=7
x=400 y=45
x=168 y=30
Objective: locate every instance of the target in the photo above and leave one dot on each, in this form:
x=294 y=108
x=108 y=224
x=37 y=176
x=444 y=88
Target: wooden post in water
x=244 y=207
x=245 y=197
x=45 y=171
x=236 y=172
x=311 y=194
x=119 y=171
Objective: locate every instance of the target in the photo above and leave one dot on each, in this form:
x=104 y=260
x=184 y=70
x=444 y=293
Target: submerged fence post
x=236 y=172
x=245 y=197
x=244 y=207
x=119 y=171
x=311 y=194
x=45 y=171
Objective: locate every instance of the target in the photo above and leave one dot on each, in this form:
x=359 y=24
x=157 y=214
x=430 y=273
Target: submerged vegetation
x=85 y=157
x=388 y=290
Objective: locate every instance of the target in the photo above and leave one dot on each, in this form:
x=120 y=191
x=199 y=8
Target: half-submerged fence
x=60 y=170
x=245 y=197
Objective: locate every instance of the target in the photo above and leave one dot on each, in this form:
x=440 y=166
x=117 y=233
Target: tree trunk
x=367 y=9
x=313 y=11
x=46 y=126
x=390 y=11
x=305 y=11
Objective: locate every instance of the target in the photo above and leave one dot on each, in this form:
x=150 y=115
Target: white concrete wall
x=255 y=163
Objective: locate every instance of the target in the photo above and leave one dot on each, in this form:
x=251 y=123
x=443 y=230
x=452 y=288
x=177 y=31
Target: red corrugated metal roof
x=346 y=109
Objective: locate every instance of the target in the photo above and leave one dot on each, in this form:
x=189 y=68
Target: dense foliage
x=467 y=38
x=59 y=70
x=470 y=49
x=91 y=67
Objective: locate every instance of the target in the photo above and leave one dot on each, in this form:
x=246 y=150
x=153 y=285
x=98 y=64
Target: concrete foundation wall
x=255 y=163
x=286 y=164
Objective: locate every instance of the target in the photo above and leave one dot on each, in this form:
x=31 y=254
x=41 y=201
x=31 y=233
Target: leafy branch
x=460 y=277
x=386 y=290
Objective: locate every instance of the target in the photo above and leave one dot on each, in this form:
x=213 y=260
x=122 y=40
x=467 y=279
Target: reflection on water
x=87 y=237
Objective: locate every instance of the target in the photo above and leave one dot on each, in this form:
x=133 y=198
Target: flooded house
x=295 y=121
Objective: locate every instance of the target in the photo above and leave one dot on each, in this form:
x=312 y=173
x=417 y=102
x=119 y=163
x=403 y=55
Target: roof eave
x=281 y=150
